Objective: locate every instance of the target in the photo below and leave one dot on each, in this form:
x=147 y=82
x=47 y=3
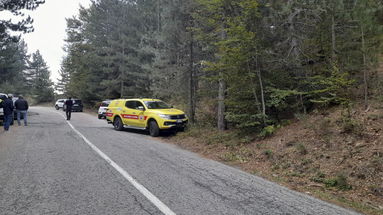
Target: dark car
x=77 y=106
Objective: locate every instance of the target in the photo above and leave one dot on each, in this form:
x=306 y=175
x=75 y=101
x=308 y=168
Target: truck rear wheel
x=154 y=130
x=117 y=124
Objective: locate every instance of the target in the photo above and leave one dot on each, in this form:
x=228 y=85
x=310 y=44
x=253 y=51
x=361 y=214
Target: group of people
x=21 y=106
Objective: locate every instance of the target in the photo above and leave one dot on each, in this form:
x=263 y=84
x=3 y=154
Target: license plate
x=179 y=121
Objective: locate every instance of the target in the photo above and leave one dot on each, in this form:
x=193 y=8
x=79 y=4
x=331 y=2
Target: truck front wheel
x=154 y=130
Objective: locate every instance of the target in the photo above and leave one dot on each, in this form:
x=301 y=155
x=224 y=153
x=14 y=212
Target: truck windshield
x=156 y=105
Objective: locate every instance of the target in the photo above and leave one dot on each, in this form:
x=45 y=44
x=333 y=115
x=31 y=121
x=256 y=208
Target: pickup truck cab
x=146 y=114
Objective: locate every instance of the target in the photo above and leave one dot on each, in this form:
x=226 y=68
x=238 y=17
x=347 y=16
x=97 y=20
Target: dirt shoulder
x=335 y=155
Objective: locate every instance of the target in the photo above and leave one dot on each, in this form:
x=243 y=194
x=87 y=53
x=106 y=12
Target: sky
x=50 y=25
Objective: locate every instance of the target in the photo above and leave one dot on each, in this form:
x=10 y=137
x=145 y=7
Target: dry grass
x=330 y=155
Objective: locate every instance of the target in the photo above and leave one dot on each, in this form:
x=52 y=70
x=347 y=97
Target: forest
x=306 y=74
x=229 y=63
x=22 y=73
x=245 y=64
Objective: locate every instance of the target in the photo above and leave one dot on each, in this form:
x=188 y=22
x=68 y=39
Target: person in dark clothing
x=22 y=107
x=10 y=96
x=68 y=108
x=8 y=112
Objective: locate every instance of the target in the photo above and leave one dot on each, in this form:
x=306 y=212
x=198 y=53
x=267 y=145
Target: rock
x=316 y=185
x=360 y=144
x=378 y=191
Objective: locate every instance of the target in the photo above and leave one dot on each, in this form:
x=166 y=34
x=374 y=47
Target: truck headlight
x=164 y=116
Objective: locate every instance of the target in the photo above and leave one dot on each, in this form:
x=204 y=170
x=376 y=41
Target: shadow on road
x=146 y=133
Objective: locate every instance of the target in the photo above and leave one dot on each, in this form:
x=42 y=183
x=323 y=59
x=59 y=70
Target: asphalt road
x=49 y=167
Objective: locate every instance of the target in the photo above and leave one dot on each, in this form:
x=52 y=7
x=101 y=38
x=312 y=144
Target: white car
x=102 y=109
x=59 y=103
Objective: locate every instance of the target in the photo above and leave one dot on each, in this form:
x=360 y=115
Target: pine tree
x=63 y=81
x=105 y=53
x=38 y=77
x=244 y=63
x=25 y=25
x=13 y=62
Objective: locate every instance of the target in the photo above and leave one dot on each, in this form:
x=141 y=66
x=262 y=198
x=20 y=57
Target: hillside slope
x=335 y=155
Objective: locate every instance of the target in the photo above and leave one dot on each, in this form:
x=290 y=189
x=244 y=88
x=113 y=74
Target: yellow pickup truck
x=147 y=114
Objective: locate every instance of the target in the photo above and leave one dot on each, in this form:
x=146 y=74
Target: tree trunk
x=262 y=94
x=122 y=72
x=122 y=66
x=294 y=44
x=122 y=89
x=221 y=104
x=159 y=15
x=192 y=99
x=259 y=74
x=333 y=39
x=221 y=94
x=254 y=88
x=365 y=75
x=303 y=104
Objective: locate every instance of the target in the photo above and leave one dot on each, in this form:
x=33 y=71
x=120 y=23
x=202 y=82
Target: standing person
x=22 y=107
x=68 y=108
x=8 y=112
x=10 y=96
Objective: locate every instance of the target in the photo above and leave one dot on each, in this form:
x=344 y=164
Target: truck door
x=140 y=112
x=134 y=115
x=128 y=113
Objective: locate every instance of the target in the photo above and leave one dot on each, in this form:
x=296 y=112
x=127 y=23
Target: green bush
x=317 y=179
x=301 y=149
x=246 y=140
x=267 y=131
x=306 y=161
x=339 y=182
x=268 y=153
x=350 y=125
x=232 y=156
x=323 y=127
x=285 y=122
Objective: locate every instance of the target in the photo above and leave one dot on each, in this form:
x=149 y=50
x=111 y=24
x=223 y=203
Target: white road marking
x=152 y=198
